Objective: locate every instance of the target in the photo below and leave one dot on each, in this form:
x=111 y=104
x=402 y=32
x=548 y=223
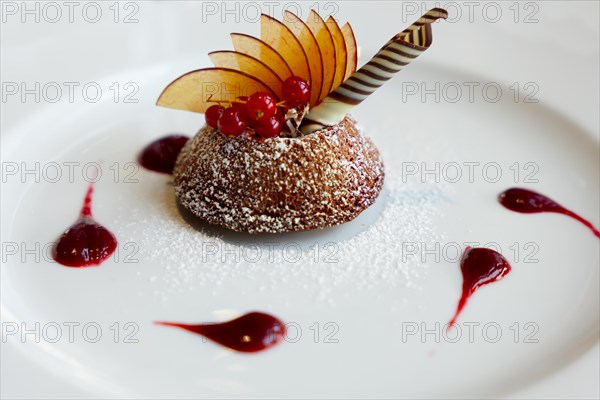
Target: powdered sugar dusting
x=361 y=255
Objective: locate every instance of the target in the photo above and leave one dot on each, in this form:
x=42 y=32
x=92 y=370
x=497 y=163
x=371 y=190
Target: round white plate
x=366 y=303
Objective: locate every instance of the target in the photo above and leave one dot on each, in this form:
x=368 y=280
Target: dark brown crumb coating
x=282 y=184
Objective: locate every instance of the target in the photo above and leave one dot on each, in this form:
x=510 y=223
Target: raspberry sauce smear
x=479 y=267
x=529 y=202
x=85 y=243
x=249 y=333
x=160 y=155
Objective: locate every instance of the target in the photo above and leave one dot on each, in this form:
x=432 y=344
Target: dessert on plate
x=280 y=151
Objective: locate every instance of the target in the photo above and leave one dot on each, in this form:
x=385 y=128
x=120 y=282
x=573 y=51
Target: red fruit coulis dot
x=479 y=266
x=529 y=202
x=86 y=243
x=249 y=333
x=160 y=155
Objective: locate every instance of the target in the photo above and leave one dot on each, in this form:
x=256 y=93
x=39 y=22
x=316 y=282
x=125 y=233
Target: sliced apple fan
x=320 y=52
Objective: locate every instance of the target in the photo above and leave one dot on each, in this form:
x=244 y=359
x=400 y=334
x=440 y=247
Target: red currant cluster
x=260 y=111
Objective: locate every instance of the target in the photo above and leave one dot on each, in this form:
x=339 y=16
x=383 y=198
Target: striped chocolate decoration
x=395 y=55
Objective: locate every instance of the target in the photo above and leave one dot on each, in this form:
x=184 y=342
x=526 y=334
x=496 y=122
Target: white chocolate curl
x=400 y=51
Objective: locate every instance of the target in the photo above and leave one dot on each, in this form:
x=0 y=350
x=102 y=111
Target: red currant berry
x=260 y=106
x=295 y=91
x=212 y=115
x=241 y=109
x=269 y=128
x=280 y=114
x=231 y=122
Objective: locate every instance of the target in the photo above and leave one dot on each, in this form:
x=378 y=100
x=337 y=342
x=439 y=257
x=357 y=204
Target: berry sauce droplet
x=529 y=202
x=249 y=333
x=160 y=155
x=86 y=243
x=479 y=266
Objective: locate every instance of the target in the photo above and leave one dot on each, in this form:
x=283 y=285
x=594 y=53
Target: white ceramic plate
x=368 y=323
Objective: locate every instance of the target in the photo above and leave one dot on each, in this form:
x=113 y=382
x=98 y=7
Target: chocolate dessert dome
x=279 y=184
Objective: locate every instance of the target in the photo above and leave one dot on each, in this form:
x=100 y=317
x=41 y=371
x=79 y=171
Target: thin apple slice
x=260 y=50
x=192 y=91
x=249 y=65
x=351 y=50
x=311 y=49
x=319 y=29
x=340 y=52
x=278 y=36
